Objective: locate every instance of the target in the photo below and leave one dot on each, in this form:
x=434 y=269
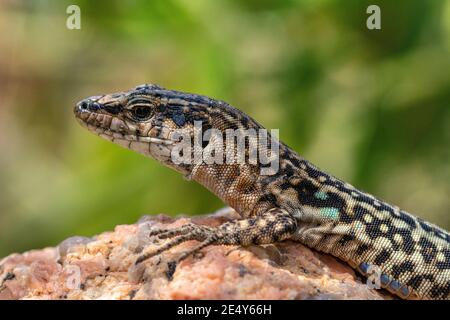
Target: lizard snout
x=87 y=105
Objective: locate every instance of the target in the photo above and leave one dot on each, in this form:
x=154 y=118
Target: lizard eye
x=141 y=113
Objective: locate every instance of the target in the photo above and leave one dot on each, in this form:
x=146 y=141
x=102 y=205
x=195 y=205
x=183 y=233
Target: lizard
x=298 y=201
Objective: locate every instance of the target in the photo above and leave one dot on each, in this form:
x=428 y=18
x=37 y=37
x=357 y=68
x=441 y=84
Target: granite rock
x=102 y=267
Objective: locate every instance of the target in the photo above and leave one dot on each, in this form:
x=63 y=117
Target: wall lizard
x=298 y=202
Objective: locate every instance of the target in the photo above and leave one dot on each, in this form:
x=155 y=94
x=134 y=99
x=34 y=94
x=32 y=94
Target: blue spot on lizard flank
x=385 y=279
x=321 y=195
x=332 y=213
x=395 y=285
x=364 y=267
x=404 y=291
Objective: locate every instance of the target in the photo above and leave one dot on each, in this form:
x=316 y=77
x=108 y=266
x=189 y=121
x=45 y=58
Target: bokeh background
x=371 y=107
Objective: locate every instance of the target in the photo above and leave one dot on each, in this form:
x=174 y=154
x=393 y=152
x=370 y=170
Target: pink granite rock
x=103 y=268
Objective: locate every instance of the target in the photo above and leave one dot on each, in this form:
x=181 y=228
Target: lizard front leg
x=272 y=226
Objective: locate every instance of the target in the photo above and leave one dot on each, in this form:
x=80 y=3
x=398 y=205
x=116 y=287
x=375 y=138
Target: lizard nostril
x=88 y=105
x=84 y=105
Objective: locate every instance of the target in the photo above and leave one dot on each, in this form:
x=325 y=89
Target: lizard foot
x=272 y=226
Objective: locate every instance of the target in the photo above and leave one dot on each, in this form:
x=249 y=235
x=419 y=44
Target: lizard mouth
x=113 y=128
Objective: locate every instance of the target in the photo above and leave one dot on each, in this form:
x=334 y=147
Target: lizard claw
x=171 y=268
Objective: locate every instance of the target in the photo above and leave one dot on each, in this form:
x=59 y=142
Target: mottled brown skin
x=410 y=257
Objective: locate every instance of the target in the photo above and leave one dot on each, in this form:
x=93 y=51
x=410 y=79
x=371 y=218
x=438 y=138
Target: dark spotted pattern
x=382 y=257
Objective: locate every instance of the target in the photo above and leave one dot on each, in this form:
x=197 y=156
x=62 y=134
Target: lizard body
x=300 y=202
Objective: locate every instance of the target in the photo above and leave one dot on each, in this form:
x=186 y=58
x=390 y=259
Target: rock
x=102 y=267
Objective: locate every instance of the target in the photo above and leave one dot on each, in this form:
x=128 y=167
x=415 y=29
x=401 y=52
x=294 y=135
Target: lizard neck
x=236 y=185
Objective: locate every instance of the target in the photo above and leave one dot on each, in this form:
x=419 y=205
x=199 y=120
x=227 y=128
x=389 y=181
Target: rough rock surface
x=102 y=267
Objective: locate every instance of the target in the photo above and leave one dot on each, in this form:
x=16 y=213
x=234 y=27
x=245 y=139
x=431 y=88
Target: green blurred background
x=371 y=107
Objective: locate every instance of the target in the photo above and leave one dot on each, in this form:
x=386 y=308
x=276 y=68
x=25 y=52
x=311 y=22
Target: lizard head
x=147 y=119
x=190 y=133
